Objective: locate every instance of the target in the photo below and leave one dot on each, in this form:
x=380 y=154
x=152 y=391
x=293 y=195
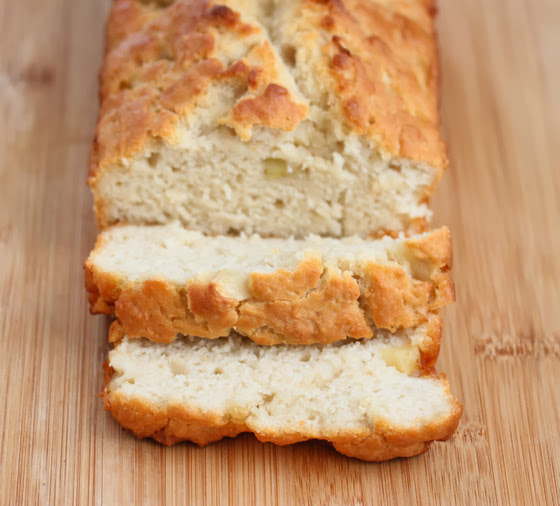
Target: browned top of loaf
x=380 y=59
x=383 y=59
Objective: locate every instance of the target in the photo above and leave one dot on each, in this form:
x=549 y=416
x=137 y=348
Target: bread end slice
x=346 y=393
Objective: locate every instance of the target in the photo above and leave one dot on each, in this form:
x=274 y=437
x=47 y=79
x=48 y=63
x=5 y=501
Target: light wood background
x=501 y=349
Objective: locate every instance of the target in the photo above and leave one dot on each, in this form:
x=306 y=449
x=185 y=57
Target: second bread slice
x=161 y=281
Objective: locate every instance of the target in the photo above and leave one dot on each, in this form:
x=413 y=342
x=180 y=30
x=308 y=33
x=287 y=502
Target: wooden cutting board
x=501 y=348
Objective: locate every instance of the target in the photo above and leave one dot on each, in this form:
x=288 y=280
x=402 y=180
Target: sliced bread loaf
x=276 y=117
x=369 y=398
x=161 y=281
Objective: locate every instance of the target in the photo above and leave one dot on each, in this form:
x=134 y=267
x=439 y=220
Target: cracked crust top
x=379 y=58
x=161 y=59
x=382 y=62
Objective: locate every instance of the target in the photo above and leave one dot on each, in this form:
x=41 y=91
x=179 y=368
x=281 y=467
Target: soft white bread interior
x=274 y=117
x=368 y=398
x=161 y=281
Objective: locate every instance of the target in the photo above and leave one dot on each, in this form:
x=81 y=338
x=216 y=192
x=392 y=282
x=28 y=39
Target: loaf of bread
x=276 y=117
x=368 y=398
x=261 y=172
x=161 y=281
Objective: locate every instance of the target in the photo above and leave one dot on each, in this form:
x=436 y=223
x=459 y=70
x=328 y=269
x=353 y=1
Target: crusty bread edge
x=329 y=306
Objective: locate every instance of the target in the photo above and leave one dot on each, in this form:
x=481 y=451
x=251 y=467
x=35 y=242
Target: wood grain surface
x=501 y=348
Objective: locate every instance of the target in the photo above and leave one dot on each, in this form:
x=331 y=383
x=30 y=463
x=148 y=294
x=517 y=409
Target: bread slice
x=367 y=397
x=276 y=117
x=161 y=281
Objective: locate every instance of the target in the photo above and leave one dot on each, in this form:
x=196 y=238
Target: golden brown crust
x=395 y=299
x=160 y=61
x=158 y=310
x=382 y=57
x=126 y=18
x=312 y=304
x=398 y=300
x=175 y=422
x=302 y=307
x=274 y=108
x=433 y=259
x=430 y=345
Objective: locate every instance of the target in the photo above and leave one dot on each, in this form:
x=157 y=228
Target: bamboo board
x=501 y=349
